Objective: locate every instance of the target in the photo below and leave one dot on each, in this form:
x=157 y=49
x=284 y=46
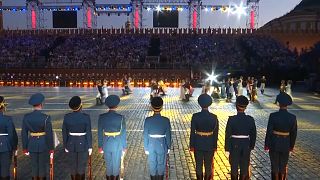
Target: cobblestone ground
x=303 y=164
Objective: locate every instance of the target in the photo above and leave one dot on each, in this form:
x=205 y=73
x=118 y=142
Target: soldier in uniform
x=204 y=137
x=37 y=137
x=157 y=140
x=240 y=138
x=8 y=141
x=280 y=137
x=112 y=137
x=77 y=138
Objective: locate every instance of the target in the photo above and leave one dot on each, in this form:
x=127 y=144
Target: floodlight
x=158 y=8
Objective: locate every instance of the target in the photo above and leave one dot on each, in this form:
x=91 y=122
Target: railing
x=88 y=78
x=160 y=31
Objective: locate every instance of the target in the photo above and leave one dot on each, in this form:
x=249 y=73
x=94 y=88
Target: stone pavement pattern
x=303 y=164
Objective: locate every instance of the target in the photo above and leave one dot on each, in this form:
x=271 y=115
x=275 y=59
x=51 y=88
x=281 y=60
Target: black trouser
x=39 y=163
x=279 y=161
x=78 y=162
x=5 y=163
x=206 y=158
x=240 y=157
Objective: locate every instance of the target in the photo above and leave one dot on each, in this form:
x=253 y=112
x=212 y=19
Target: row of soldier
x=240 y=137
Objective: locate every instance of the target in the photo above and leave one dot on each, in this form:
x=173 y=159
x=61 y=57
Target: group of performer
x=230 y=87
x=240 y=137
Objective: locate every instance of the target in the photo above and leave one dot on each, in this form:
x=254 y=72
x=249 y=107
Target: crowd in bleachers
x=93 y=51
x=130 y=51
x=22 y=51
x=222 y=51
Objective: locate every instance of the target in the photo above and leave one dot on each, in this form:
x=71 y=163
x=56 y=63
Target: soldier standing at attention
x=157 y=140
x=77 y=138
x=281 y=137
x=240 y=139
x=8 y=141
x=204 y=137
x=112 y=137
x=37 y=137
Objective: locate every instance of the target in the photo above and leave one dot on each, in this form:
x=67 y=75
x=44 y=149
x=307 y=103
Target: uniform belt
x=240 y=136
x=77 y=134
x=3 y=134
x=156 y=136
x=204 y=133
x=279 y=133
x=35 y=134
x=112 y=134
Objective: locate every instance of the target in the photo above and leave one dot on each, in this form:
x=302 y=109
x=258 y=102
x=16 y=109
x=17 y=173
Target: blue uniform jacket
x=37 y=121
x=157 y=125
x=77 y=122
x=9 y=142
x=112 y=122
x=282 y=121
x=204 y=121
x=240 y=124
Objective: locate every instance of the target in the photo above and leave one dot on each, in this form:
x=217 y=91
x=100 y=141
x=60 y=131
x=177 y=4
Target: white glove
x=227 y=153
x=168 y=151
x=90 y=151
x=66 y=150
x=27 y=154
x=51 y=155
x=124 y=152
x=16 y=152
x=147 y=152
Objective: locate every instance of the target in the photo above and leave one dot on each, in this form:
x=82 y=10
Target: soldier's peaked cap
x=75 y=103
x=204 y=100
x=157 y=103
x=112 y=101
x=36 y=99
x=242 y=101
x=284 y=99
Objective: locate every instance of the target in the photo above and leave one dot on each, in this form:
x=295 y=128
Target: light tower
x=136 y=15
x=89 y=14
x=252 y=14
x=194 y=13
x=33 y=19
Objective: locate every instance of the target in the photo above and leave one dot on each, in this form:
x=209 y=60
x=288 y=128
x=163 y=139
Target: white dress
x=182 y=92
x=240 y=88
x=288 y=90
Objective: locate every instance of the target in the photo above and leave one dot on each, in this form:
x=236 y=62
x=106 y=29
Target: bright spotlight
x=158 y=8
x=240 y=10
x=206 y=9
x=148 y=9
x=213 y=77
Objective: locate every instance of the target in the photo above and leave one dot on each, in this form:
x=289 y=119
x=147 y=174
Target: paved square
x=303 y=164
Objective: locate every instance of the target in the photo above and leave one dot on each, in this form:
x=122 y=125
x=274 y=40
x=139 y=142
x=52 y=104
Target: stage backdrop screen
x=165 y=19
x=64 y=19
